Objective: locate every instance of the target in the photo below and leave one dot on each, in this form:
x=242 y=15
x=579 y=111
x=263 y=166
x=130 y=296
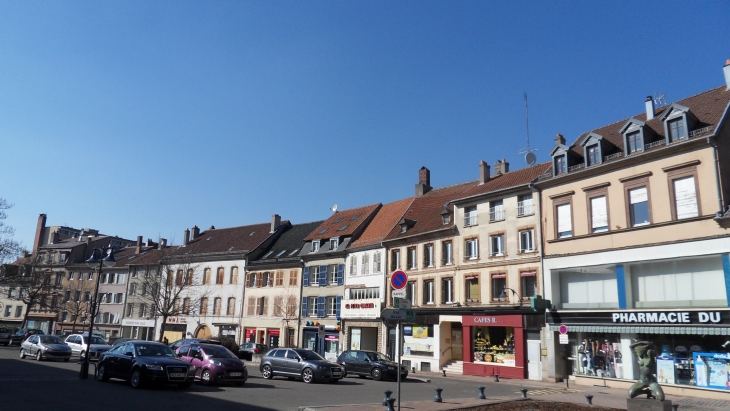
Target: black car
x=370 y=363
x=23 y=333
x=298 y=363
x=177 y=344
x=142 y=362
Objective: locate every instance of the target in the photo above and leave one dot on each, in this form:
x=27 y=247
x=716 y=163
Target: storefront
x=691 y=346
x=362 y=325
x=138 y=329
x=328 y=346
x=494 y=344
x=273 y=337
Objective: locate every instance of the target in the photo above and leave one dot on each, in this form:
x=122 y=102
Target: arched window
x=189 y=278
x=231 y=309
x=206 y=276
x=219 y=276
x=204 y=306
x=217 y=306
x=234 y=275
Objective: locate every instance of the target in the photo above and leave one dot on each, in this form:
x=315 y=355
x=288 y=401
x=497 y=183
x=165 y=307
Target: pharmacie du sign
x=659 y=317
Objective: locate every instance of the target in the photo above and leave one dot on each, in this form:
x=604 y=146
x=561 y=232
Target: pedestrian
x=164 y=341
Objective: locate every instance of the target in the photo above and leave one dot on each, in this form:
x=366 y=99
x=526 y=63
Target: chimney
x=649 y=108
x=88 y=239
x=559 y=139
x=483 y=172
x=139 y=245
x=195 y=233
x=275 y=222
x=39 y=233
x=186 y=238
x=424 y=182
x=726 y=70
x=54 y=237
x=501 y=167
x=163 y=243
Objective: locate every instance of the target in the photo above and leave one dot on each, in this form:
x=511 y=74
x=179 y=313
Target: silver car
x=45 y=347
x=79 y=344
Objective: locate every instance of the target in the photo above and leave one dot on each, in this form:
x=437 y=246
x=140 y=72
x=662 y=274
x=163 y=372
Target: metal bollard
x=413 y=370
x=391 y=401
x=437 y=398
x=387 y=395
x=524 y=392
x=443 y=373
x=481 y=395
x=589 y=399
x=496 y=377
x=675 y=407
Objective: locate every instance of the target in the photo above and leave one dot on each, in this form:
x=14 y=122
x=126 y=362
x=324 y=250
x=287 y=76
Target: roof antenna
x=660 y=99
x=530 y=157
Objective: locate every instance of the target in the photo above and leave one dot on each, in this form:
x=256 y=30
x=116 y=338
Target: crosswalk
x=549 y=391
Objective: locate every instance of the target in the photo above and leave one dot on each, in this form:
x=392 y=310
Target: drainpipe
x=720 y=199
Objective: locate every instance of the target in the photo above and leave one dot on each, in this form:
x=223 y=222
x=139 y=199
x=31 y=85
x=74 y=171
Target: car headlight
x=191 y=368
x=391 y=368
x=216 y=363
x=155 y=367
x=322 y=367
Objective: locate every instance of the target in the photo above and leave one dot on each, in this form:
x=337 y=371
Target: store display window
x=599 y=355
x=494 y=345
x=418 y=340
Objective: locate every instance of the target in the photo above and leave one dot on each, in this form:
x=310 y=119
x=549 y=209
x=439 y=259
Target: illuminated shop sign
x=658 y=317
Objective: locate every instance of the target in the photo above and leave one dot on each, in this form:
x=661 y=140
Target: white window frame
x=527 y=236
x=429 y=255
x=312 y=307
x=377 y=262
x=365 y=263
x=447 y=248
x=449 y=289
x=330 y=307
x=470 y=216
x=430 y=291
x=315 y=246
x=353 y=265
x=496 y=210
x=596 y=217
x=413 y=258
x=526 y=206
x=567 y=214
x=334 y=243
x=496 y=245
x=471 y=249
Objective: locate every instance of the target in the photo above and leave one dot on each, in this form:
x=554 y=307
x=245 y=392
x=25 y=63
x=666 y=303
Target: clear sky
x=147 y=117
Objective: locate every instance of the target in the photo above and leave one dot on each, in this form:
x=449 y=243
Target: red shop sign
x=250 y=332
x=492 y=320
x=273 y=332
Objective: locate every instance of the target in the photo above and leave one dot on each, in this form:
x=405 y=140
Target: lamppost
x=93 y=261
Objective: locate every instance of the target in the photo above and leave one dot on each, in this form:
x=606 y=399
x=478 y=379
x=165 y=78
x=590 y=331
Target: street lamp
x=504 y=292
x=93 y=261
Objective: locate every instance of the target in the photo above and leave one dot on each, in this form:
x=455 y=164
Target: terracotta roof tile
x=508 y=180
x=241 y=239
x=383 y=222
x=342 y=223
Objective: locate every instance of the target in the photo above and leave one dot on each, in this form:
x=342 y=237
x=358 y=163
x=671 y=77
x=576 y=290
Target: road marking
x=549 y=391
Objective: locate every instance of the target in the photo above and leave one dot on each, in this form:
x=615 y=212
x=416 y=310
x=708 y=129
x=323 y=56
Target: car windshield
x=50 y=339
x=310 y=355
x=218 y=352
x=149 y=350
x=94 y=340
x=376 y=356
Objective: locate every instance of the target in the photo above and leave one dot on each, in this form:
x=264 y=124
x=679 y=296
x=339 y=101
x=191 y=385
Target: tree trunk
x=162 y=327
x=24 y=324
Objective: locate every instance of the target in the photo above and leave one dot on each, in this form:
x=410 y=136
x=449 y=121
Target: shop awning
x=642 y=329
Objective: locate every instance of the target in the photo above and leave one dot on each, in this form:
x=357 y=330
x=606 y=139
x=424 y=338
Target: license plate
x=177 y=375
x=236 y=374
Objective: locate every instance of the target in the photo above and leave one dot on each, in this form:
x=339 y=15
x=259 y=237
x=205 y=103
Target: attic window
x=677 y=129
x=343 y=228
x=593 y=155
x=323 y=231
x=339 y=220
x=355 y=217
x=334 y=243
x=231 y=249
x=633 y=143
x=315 y=246
x=281 y=253
x=293 y=252
x=403 y=228
x=561 y=164
x=446 y=218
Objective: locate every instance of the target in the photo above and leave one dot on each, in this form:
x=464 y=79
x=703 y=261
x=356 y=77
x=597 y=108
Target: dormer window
x=403 y=228
x=635 y=136
x=593 y=146
x=677 y=129
x=678 y=121
x=633 y=142
x=561 y=164
x=592 y=155
x=315 y=246
x=334 y=243
x=446 y=218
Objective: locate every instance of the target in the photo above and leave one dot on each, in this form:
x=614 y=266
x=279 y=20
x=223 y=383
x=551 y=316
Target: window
x=447 y=253
x=334 y=243
x=18 y=310
x=206 y=276
x=293 y=277
x=561 y=165
x=217 y=306
x=471 y=249
x=262 y=304
x=278 y=301
x=528 y=284
x=525 y=205
x=428 y=255
x=428 y=292
x=639 y=206
x=8 y=310
x=266 y=279
x=315 y=274
x=353 y=265
x=231 y=308
x=592 y=155
x=589 y=287
x=332 y=274
x=87 y=296
x=496 y=210
x=366 y=263
x=71 y=276
x=447 y=290
x=676 y=129
x=331 y=307
x=234 y=275
x=252 y=280
x=59 y=279
x=143 y=310
x=499 y=282
x=251 y=307
x=412 y=258
x=179 y=278
x=67 y=296
x=527 y=241
x=565 y=223
x=634 y=142
x=91 y=276
x=411 y=292
x=118 y=298
x=395 y=260
x=312 y=306
x=279 y=278
x=315 y=246
x=446 y=218
x=473 y=292
x=364 y=293
x=204 y=306
x=599 y=214
x=377 y=262
x=470 y=216
x=685 y=197
x=219 y=275
x=497 y=245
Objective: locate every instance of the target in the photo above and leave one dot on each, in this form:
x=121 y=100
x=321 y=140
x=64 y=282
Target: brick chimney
x=501 y=167
x=275 y=222
x=195 y=233
x=139 y=245
x=649 y=108
x=559 y=139
x=726 y=70
x=424 y=182
x=40 y=228
x=483 y=172
x=186 y=238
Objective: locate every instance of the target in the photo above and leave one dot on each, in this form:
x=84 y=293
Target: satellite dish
x=334 y=208
x=530 y=158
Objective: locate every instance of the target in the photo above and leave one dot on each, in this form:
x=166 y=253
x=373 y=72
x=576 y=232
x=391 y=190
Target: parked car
x=299 y=363
x=45 y=347
x=370 y=364
x=143 y=362
x=23 y=333
x=5 y=334
x=120 y=341
x=247 y=350
x=177 y=344
x=79 y=344
x=214 y=363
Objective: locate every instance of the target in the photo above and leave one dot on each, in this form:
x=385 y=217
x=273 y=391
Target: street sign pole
x=400 y=349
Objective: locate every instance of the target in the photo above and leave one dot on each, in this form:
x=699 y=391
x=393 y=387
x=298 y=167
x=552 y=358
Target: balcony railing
x=525 y=208
x=470 y=219
x=496 y=214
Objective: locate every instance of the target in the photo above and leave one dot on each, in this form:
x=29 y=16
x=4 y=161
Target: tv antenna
x=530 y=157
x=660 y=99
x=334 y=208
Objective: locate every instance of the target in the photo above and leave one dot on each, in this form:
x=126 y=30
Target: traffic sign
x=563 y=329
x=399 y=293
x=564 y=339
x=399 y=280
x=402 y=303
x=407 y=315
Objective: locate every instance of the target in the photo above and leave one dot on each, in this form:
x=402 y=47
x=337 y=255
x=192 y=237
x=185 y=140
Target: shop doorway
x=457 y=342
x=203 y=332
x=534 y=368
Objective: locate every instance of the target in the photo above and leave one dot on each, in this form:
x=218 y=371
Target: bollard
x=481 y=395
x=391 y=401
x=413 y=370
x=524 y=393
x=675 y=407
x=437 y=398
x=387 y=395
x=443 y=373
x=496 y=377
x=589 y=399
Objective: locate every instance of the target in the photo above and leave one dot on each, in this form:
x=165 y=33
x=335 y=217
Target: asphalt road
x=29 y=384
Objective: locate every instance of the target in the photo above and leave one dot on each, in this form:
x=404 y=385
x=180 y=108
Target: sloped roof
x=289 y=244
x=150 y=256
x=425 y=211
x=383 y=222
x=508 y=180
x=242 y=239
x=127 y=256
x=342 y=223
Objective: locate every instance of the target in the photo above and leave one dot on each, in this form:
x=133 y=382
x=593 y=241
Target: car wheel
x=308 y=375
x=186 y=384
x=101 y=374
x=266 y=372
x=38 y=355
x=22 y=354
x=136 y=379
x=377 y=374
x=344 y=372
x=205 y=377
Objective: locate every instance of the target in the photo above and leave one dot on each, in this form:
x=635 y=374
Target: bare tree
x=34 y=286
x=9 y=248
x=286 y=306
x=77 y=299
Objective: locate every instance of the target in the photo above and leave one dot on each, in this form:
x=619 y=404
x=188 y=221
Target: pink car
x=214 y=364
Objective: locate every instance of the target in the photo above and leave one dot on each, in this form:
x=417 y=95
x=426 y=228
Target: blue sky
x=144 y=118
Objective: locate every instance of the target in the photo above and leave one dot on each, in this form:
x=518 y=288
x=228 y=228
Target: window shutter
x=305 y=279
x=340 y=280
x=321 y=302
x=305 y=302
x=322 y=275
x=339 y=304
x=638 y=195
x=685 y=197
x=265 y=310
x=599 y=216
x=564 y=223
x=443 y=291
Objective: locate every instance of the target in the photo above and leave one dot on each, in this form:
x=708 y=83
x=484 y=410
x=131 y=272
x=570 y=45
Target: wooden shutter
x=322 y=275
x=305 y=301
x=321 y=306
x=340 y=275
x=305 y=278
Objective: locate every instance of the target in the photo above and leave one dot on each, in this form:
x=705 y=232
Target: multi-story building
x=364 y=296
x=323 y=254
x=636 y=246
x=273 y=289
x=138 y=319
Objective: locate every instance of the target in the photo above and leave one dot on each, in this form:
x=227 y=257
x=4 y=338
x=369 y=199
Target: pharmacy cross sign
x=399 y=280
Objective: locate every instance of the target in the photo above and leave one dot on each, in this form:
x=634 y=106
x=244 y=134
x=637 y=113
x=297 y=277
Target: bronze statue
x=647 y=384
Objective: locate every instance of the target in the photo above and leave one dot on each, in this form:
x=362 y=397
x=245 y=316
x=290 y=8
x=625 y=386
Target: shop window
x=473 y=291
x=494 y=345
x=588 y=287
x=499 y=282
x=428 y=292
x=418 y=340
x=447 y=290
